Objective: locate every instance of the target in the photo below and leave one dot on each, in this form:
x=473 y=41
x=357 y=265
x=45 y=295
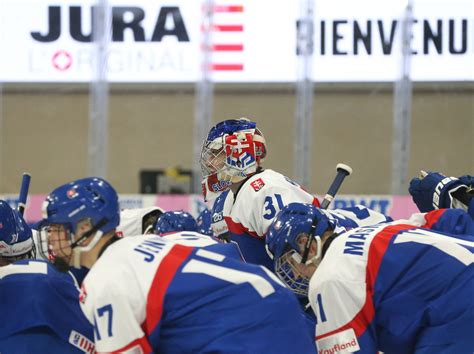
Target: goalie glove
x=436 y=191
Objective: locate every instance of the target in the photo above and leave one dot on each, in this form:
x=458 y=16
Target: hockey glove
x=435 y=191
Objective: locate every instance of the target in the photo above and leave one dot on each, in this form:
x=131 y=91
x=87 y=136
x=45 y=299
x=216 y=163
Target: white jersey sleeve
x=360 y=215
x=259 y=200
x=131 y=220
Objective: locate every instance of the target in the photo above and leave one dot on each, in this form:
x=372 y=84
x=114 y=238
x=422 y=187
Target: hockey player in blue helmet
x=16 y=240
x=374 y=288
x=147 y=293
x=78 y=216
x=175 y=221
x=301 y=225
x=204 y=221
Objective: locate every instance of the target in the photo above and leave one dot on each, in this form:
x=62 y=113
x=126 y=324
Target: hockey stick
x=25 y=186
x=342 y=172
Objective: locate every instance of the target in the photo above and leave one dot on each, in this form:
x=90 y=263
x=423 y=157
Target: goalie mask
x=292 y=260
x=16 y=240
x=74 y=212
x=232 y=151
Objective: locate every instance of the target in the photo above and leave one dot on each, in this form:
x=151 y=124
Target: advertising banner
x=251 y=41
x=398 y=207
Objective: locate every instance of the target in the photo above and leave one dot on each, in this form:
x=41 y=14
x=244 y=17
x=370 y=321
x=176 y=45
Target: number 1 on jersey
x=321 y=315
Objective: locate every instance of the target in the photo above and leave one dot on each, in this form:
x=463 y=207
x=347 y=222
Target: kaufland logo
x=161 y=38
x=341 y=348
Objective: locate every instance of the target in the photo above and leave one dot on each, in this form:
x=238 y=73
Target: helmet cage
x=212 y=157
x=45 y=229
x=283 y=242
x=62 y=261
x=285 y=270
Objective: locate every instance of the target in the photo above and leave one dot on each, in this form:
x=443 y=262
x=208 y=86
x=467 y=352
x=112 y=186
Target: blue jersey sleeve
x=42 y=309
x=452 y=221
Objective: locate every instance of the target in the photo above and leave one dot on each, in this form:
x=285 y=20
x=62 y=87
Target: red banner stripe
x=229 y=8
x=224 y=28
x=227 y=67
x=227 y=47
x=228 y=28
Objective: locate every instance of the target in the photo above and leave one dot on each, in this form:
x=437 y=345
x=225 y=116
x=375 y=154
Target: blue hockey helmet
x=204 y=221
x=175 y=221
x=16 y=240
x=232 y=151
x=293 y=221
x=89 y=199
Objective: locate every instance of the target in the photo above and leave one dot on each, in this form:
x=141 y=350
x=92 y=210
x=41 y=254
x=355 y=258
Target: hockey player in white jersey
x=171 y=294
x=396 y=287
x=231 y=162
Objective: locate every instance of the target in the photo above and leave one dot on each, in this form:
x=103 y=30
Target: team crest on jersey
x=1 y=225
x=240 y=151
x=257 y=184
x=82 y=294
x=81 y=342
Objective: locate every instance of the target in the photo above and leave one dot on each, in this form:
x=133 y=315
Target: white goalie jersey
x=247 y=214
